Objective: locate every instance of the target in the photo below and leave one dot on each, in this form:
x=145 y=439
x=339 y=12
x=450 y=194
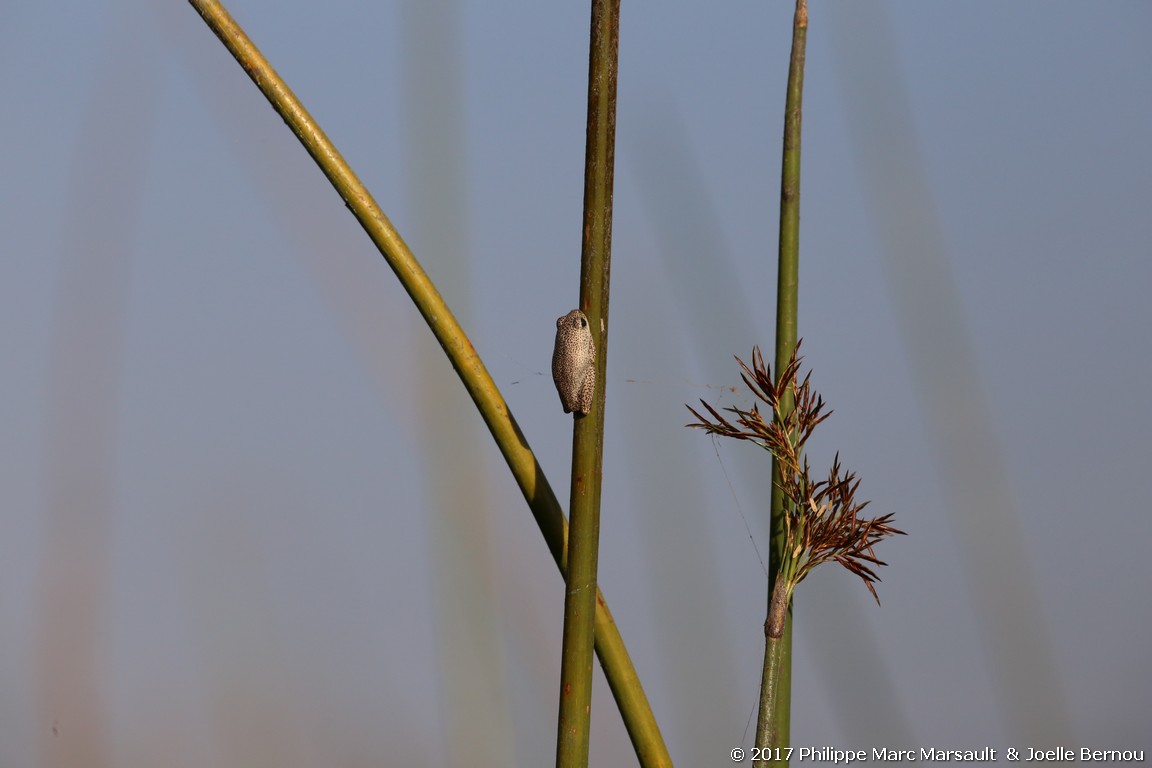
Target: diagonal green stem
x=622 y=678
x=574 y=719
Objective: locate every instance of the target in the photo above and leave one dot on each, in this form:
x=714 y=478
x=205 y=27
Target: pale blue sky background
x=248 y=517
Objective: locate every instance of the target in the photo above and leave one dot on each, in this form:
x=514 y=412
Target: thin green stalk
x=622 y=678
x=772 y=727
x=774 y=683
x=574 y=719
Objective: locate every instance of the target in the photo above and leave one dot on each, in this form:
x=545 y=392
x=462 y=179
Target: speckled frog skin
x=573 y=360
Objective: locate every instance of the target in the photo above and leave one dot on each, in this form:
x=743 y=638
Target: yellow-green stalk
x=529 y=476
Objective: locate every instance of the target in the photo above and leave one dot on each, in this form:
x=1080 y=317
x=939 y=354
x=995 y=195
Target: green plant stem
x=618 y=668
x=574 y=718
x=773 y=684
x=772 y=727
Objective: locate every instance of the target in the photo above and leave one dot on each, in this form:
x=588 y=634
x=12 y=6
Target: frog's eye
x=583 y=322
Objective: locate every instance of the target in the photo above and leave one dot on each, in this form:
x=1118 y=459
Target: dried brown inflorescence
x=822 y=519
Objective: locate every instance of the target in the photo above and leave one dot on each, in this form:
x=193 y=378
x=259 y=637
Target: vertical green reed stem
x=574 y=720
x=772 y=726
